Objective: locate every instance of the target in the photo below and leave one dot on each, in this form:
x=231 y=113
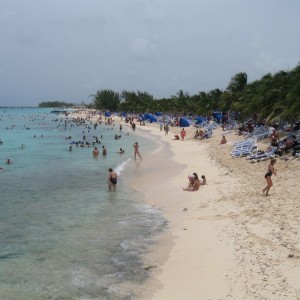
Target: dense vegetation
x=273 y=97
x=56 y=104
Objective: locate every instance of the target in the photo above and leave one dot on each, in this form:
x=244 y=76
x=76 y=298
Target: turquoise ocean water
x=63 y=234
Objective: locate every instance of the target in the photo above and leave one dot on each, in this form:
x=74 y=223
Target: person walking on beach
x=166 y=129
x=112 y=179
x=136 y=150
x=268 y=176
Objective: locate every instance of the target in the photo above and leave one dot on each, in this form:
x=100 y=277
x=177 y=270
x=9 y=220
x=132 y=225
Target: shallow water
x=63 y=234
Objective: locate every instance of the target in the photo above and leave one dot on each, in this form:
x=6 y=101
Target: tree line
x=56 y=104
x=274 y=97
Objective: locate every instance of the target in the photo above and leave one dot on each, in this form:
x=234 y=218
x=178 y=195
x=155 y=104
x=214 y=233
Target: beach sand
x=227 y=240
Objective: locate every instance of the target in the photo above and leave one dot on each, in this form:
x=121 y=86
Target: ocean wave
x=119 y=168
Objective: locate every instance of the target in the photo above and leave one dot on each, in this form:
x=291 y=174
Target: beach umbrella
x=183 y=122
x=199 y=120
x=142 y=117
x=150 y=117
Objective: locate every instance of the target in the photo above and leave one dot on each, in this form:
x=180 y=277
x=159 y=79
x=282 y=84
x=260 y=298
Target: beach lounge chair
x=244 y=149
x=245 y=143
x=258 y=157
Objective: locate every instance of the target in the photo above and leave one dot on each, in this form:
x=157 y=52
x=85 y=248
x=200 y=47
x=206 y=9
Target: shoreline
x=226 y=240
x=195 y=237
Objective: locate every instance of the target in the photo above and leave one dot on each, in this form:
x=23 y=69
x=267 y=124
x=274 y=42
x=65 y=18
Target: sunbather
x=194 y=184
x=223 y=140
x=262 y=155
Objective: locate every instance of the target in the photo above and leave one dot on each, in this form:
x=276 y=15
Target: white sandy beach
x=227 y=240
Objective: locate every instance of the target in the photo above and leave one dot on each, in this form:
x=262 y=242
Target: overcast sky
x=68 y=49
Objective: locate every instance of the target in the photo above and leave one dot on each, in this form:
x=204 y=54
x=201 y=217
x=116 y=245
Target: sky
x=66 y=50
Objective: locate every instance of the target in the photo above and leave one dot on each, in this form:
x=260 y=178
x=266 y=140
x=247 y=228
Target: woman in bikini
x=268 y=176
x=136 y=150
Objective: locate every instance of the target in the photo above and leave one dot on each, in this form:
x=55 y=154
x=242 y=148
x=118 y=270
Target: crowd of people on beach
x=290 y=143
x=282 y=142
x=88 y=122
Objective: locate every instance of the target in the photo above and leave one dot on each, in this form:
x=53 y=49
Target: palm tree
x=106 y=99
x=237 y=82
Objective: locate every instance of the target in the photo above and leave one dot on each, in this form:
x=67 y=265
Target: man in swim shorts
x=112 y=179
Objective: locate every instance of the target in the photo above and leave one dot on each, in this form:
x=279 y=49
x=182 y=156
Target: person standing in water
x=112 y=179
x=136 y=150
x=104 y=151
x=95 y=152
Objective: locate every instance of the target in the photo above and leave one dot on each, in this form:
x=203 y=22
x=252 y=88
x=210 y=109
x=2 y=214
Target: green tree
x=106 y=99
x=273 y=97
x=56 y=104
x=138 y=102
x=237 y=82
